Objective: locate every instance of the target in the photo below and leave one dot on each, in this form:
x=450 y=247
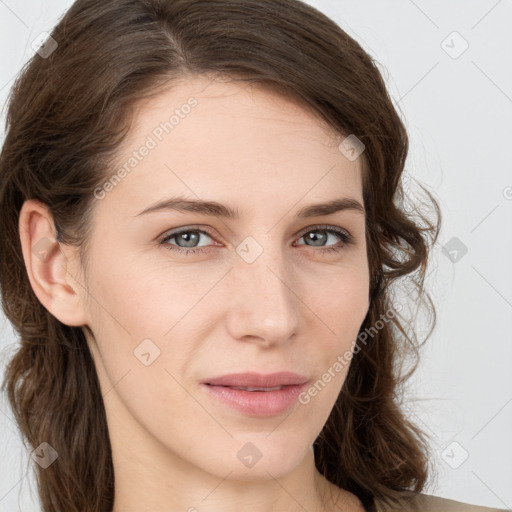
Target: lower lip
x=257 y=403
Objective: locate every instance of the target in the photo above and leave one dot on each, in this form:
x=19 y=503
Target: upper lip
x=258 y=380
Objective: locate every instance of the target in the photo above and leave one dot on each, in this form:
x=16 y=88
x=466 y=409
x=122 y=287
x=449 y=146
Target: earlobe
x=48 y=266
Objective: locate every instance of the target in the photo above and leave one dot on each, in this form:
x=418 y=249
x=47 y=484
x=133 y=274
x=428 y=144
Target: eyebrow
x=216 y=209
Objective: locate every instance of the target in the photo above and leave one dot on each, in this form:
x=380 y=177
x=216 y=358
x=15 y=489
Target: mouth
x=251 y=381
x=255 y=401
x=250 y=389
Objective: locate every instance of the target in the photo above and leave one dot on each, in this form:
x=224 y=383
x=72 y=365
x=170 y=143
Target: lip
x=258 y=380
x=257 y=403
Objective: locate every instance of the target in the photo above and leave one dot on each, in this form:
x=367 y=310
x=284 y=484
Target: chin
x=275 y=454
x=256 y=456
x=263 y=470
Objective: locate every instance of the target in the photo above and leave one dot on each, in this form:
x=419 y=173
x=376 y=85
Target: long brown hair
x=67 y=114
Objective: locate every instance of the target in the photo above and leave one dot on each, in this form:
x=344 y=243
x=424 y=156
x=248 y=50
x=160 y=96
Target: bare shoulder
x=418 y=502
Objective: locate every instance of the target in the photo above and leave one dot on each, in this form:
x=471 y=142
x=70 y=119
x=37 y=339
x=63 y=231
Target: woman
x=201 y=226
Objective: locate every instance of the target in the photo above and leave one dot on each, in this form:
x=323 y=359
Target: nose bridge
x=265 y=305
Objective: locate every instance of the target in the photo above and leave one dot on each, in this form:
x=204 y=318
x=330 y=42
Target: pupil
x=189 y=236
x=314 y=237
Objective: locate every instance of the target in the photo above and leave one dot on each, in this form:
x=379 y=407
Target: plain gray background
x=448 y=69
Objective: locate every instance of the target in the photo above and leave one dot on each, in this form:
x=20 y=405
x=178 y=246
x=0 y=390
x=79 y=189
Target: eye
x=187 y=238
x=345 y=237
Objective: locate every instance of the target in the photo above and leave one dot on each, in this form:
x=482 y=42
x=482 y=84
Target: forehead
x=216 y=137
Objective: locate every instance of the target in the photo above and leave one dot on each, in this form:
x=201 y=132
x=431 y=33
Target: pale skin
x=295 y=307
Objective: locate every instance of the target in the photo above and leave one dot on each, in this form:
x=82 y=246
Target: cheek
x=341 y=309
x=148 y=323
x=139 y=352
x=143 y=299
x=342 y=303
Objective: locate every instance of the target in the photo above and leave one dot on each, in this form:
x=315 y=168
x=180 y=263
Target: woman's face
x=261 y=292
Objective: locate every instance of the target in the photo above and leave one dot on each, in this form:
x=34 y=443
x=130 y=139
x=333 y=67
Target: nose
x=264 y=302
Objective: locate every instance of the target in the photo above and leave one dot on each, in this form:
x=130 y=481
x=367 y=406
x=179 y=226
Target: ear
x=50 y=266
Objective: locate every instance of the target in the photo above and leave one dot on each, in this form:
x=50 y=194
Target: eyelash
x=346 y=238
